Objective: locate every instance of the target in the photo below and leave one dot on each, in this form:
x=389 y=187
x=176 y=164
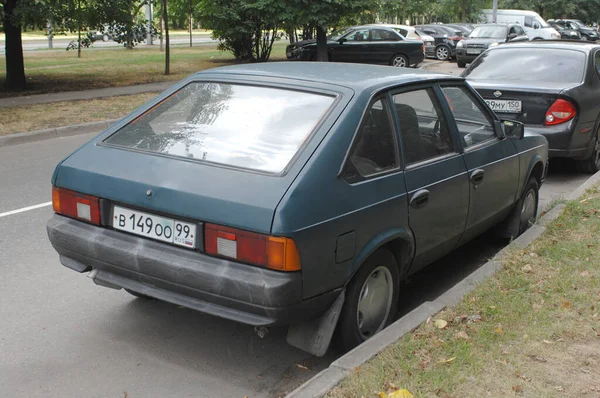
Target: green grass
x=538 y=333
x=56 y=71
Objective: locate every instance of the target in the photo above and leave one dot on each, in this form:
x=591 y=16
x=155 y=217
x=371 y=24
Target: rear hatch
x=522 y=81
x=211 y=152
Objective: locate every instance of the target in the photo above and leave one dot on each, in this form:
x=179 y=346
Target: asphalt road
x=63 y=336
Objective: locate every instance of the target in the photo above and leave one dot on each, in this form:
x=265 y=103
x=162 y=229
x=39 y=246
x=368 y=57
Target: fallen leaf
x=547 y=342
x=473 y=318
x=585 y=370
x=560 y=340
x=537 y=307
x=403 y=393
x=527 y=268
x=537 y=359
x=520 y=376
x=440 y=323
x=559 y=388
x=428 y=320
x=302 y=366
x=461 y=335
x=493 y=307
x=382 y=394
x=533 y=254
x=356 y=369
x=583 y=201
x=449 y=360
x=587 y=259
x=498 y=330
x=517 y=388
x=566 y=304
x=585 y=273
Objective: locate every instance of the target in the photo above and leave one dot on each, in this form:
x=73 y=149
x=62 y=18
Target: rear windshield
x=542 y=64
x=251 y=127
x=489 y=32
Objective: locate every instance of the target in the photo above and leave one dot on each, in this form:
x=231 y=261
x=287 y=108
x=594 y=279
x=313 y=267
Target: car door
x=384 y=44
x=491 y=160
x=435 y=173
x=353 y=48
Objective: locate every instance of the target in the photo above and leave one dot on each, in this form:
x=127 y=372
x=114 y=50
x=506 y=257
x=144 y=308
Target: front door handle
x=476 y=177
x=419 y=199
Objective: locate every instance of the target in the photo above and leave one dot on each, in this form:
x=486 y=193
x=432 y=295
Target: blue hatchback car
x=293 y=193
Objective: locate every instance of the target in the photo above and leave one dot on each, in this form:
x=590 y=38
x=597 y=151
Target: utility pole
x=150 y=18
x=494 y=11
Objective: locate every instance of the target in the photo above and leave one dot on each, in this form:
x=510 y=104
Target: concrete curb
x=329 y=378
x=66 y=131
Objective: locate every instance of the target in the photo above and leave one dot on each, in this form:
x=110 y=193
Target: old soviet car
x=284 y=192
x=369 y=44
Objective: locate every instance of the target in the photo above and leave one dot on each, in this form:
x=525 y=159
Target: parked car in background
x=445 y=40
x=565 y=33
x=554 y=91
x=363 y=44
x=277 y=193
x=587 y=33
x=485 y=36
x=459 y=28
x=410 y=32
x=103 y=34
x=534 y=25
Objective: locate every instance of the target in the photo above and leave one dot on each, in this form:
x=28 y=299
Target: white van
x=534 y=25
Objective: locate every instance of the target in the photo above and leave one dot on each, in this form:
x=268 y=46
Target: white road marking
x=24 y=209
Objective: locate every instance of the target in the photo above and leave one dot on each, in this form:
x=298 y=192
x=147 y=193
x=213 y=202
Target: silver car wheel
x=374 y=302
x=442 y=53
x=399 y=62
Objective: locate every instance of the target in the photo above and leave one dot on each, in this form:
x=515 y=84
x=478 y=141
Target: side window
x=529 y=22
x=374 y=149
x=519 y=30
x=424 y=131
x=358 y=35
x=474 y=124
x=597 y=63
x=383 y=35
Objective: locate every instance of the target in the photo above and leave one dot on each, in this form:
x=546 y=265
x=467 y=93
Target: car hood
x=587 y=30
x=483 y=41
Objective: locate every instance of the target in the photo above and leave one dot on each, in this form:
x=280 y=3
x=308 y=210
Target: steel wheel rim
x=399 y=62
x=442 y=52
x=374 y=302
x=528 y=209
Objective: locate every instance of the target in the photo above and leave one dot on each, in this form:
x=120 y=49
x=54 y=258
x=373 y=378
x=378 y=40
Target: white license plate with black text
x=505 y=106
x=474 y=51
x=156 y=227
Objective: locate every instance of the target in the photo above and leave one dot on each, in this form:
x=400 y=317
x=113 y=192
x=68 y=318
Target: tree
x=127 y=23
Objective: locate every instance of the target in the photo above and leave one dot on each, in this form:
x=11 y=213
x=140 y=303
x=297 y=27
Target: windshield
x=489 y=32
x=337 y=35
x=541 y=64
x=543 y=23
x=250 y=127
x=578 y=23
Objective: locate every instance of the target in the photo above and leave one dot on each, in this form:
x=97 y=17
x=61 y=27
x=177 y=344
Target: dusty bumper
x=215 y=286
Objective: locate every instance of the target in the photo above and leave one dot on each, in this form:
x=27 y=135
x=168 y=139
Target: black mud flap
x=315 y=335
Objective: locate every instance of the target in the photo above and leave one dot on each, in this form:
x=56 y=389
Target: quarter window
x=475 y=126
x=423 y=128
x=374 y=150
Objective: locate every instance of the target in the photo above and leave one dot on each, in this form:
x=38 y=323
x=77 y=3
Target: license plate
x=156 y=227
x=505 y=106
x=474 y=51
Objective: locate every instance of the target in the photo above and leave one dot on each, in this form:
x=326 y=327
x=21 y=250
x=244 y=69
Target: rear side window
x=374 y=150
x=542 y=65
x=252 y=127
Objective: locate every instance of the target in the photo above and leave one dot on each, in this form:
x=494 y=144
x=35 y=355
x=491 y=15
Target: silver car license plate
x=505 y=106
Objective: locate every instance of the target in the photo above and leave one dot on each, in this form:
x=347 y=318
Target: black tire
x=442 y=52
x=591 y=165
x=139 y=295
x=461 y=64
x=349 y=333
x=517 y=221
x=399 y=61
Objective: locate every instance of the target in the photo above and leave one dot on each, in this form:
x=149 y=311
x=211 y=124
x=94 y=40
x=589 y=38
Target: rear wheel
x=371 y=300
x=105 y=38
x=399 y=61
x=592 y=164
x=442 y=53
x=524 y=214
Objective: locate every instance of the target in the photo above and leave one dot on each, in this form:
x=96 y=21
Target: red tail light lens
x=560 y=111
x=247 y=247
x=455 y=38
x=76 y=205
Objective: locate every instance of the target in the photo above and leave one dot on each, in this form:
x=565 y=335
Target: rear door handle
x=476 y=176
x=419 y=199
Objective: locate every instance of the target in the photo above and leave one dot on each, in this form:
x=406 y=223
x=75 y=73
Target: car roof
x=358 y=77
x=555 y=44
x=392 y=26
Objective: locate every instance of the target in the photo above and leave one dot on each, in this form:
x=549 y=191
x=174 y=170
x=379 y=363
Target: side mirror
x=512 y=36
x=536 y=26
x=343 y=40
x=513 y=129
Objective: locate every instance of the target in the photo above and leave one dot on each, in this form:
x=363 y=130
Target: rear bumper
x=230 y=290
x=563 y=142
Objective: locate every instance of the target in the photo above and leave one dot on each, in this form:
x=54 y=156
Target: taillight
x=559 y=112
x=248 y=247
x=76 y=205
x=455 y=38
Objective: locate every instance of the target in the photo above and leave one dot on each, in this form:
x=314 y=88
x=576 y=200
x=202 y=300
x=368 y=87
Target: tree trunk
x=167 y=46
x=162 y=47
x=322 y=44
x=15 y=68
x=191 y=12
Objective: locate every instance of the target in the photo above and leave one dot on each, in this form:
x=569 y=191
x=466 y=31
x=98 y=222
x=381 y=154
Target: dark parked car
x=445 y=40
x=485 y=36
x=463 y=29
x=363 y=44
x=587 y=32
x=283 y=192
x=565 y=33
x=554 y=91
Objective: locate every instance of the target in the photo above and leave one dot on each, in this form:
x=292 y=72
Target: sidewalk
x=83 y=95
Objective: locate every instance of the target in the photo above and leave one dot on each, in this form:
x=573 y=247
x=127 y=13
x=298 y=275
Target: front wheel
x=399 y=61
x=592 y=164
x=371 y=300
x=524 y=213
x=442 y=53
x=105 y=38
x=461 y=64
